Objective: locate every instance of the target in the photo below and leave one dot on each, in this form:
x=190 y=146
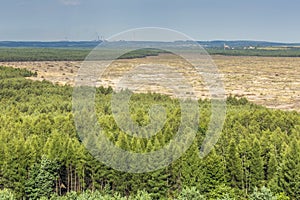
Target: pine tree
x=244 y=150
x=263 y=194
x=14 y=165
x=188 y=193
x=256 y=165
x=158 y=183
x=272 y=164
x=191 y=168
x=290 y=173
x=272 y=171
x=214 y=171
x=234 y=166
x=41 y=179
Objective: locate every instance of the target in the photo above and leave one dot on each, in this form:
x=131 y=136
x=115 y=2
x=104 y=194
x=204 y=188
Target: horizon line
x=214 y=40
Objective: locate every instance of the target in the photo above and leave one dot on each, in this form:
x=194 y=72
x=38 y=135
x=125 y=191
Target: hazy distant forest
x=257 y=156
x=79 y=54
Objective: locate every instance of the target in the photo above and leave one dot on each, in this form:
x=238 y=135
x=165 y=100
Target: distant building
x=226 y=46
x=250 y=47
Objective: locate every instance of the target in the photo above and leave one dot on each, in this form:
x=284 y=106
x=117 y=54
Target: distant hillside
x=92 y=44
x=78 y=51
x=243 y=43
x=58 y=44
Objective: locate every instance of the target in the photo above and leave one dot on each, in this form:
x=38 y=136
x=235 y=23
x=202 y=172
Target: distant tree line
x=291 y=52
x=68 y=54
x=80 y=54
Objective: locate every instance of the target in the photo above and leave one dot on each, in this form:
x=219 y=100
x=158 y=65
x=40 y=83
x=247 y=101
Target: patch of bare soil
x=270 y=81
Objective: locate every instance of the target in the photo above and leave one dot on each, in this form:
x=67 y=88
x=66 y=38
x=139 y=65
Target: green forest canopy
x=257 y=156
x=79 y=54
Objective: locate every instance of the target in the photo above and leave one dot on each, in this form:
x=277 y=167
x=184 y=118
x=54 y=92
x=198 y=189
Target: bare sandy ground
x=270 y=81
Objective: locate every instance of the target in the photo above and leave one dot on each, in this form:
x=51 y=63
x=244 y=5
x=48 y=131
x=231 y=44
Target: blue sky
x=48 y=20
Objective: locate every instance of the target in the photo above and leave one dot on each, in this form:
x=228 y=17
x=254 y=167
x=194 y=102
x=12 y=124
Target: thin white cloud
x=70 y=2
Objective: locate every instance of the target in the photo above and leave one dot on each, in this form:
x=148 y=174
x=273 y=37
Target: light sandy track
x=270 y=81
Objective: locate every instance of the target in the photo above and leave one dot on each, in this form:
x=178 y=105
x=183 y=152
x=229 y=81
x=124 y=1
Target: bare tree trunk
x=68 y=172
x=82 y=180
x=60 y=185
x=71 y=178
x=75 y=181
x=56 y=185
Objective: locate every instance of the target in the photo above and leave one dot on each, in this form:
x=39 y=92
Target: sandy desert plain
x=270 y=81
